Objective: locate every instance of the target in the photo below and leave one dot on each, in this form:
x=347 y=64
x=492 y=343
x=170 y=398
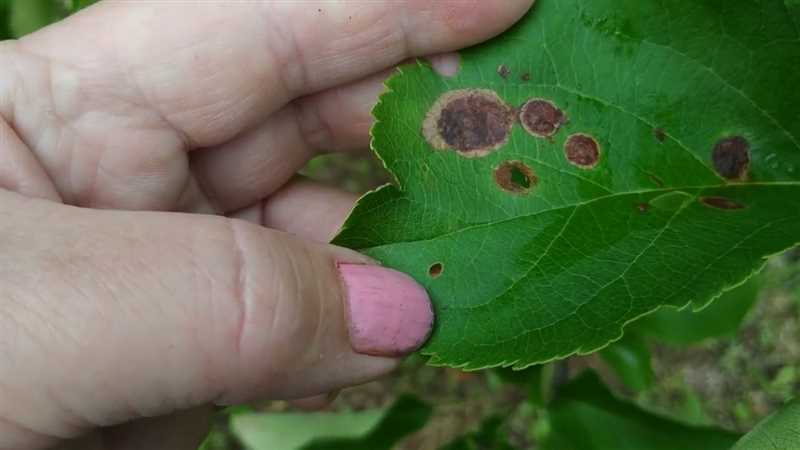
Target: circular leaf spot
x=515 y=177
x=732 y=158
x=583 y=151
x=474 y=122
x=541 y=118
x=436 y=269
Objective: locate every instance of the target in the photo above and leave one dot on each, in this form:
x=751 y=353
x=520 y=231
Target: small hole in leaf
x=541 y=118
x=504 y=71
x=583 y=151
x=732 y=158
x=721 y=203
x=515 y=177
x=436 y=269
x=473 y=122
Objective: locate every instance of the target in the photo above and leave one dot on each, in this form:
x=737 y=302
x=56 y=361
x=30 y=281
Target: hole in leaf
x=474 y=122
x=583 y=151
x=436 y=269
x=541 y=118
x=721 y=203
x=515 y=177
x=732 y=158
x=504 y=71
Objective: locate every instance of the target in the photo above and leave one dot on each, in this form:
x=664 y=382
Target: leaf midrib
x=476 y=226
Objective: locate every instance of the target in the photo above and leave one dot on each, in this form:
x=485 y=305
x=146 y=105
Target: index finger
x=212 y=68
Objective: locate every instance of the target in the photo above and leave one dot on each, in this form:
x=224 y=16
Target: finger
x=316 y=403
x=302 y=207
x=19 y=170
x=212 y=69
x=144 y=314
x=256 y=164
x=185 y=430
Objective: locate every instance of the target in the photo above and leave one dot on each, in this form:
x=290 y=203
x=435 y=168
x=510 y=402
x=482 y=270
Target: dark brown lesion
x=731 y=158
x=583 y=151
x=436 y=270
x=721 y=203
x=472 y=122
x=515 y=177
x=542 y=118
x=660 y=134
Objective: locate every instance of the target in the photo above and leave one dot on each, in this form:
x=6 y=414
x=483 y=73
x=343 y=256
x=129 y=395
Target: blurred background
x=730 y=365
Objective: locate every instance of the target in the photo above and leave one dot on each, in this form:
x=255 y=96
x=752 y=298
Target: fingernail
x=446 y=64
x=388 y=313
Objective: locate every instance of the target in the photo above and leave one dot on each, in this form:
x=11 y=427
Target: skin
x=159 y=255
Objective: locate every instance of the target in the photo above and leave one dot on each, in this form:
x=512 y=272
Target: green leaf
x=684 y=327
x=370 y=430
x=630 y=359
x=488 y=436
x=28 y=16
x=77 y=5
x=524 y=275
x=5 y=19
x=535 y=378
x=586 y=416
x=781 y=430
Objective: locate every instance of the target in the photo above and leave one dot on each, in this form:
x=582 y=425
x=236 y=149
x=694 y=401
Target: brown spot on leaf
x=583 y=151
x=660 y=134
x=732 y=158
x=541 y=118
x=474 y=122
x=721 y=203
x=526 y=77
x=643 y=207
x=515 y=177
x=436 y=269
x=504 y=71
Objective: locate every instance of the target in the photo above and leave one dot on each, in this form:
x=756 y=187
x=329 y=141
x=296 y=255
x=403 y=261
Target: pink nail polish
x=388 y=313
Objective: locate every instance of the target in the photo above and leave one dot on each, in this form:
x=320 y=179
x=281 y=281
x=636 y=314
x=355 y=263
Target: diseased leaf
x=781 y=430
x=586 y=416
x=658 y=163
x=369 y=430
x=684 y=327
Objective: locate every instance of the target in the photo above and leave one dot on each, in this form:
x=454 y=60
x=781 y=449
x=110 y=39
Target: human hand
x=123 y=315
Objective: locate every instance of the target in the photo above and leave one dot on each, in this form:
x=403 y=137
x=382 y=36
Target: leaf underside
x=564 y=263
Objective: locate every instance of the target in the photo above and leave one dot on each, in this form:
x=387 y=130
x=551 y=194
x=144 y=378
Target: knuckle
x=280 y=305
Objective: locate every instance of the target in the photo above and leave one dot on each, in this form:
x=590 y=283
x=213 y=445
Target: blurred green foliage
x=368 y=430
x=21 y=17
x=587 y=416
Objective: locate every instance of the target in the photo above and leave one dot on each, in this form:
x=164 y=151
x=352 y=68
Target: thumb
x=107 y=316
